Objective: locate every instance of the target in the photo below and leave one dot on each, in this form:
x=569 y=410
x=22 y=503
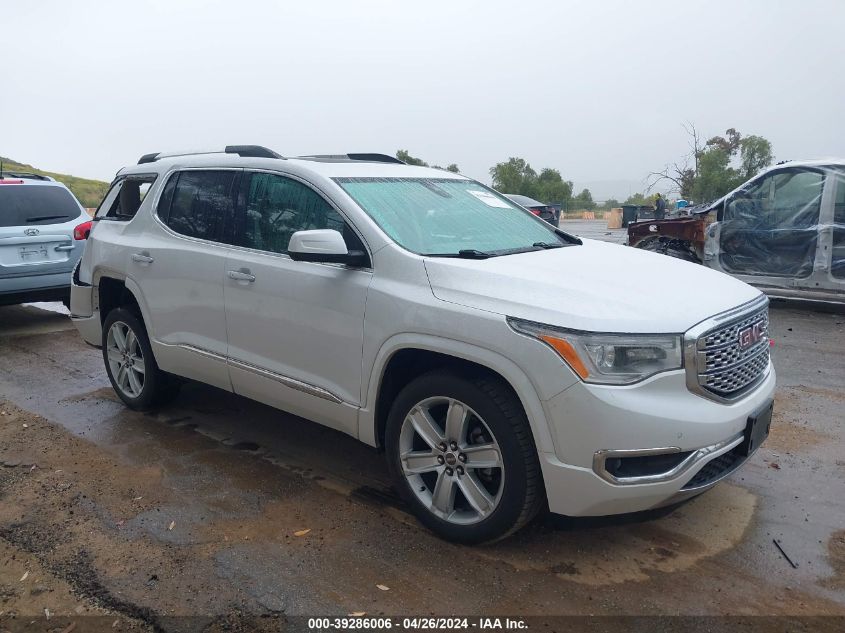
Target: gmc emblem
x=752 y=335
x=30 y=232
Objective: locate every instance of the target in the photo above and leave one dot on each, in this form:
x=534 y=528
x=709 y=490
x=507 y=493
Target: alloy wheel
x=126 y=359
x=451 y=460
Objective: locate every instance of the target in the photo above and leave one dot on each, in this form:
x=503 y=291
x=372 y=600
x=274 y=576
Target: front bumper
x=660 y=415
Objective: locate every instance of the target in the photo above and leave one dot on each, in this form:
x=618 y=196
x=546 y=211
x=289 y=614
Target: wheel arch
x=115 y=290
x=406 y=356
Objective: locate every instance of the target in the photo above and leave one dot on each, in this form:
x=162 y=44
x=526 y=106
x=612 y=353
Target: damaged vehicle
x=782 y=231
x=401 y=305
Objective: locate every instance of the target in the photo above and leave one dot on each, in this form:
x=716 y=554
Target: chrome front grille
x=718 y=364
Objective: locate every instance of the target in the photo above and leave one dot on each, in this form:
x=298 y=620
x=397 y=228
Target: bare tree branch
x=674 y=173
x=696 y=148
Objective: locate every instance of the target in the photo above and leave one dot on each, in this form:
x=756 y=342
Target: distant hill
x=88 y=192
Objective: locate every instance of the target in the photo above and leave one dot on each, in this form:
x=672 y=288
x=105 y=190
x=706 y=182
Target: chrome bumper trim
x=695 y=458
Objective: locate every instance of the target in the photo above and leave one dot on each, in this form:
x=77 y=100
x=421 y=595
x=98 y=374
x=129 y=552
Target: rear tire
x=130 y=364
x=486 y=484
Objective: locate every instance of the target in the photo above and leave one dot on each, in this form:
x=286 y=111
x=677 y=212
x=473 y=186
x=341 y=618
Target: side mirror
x=323 y=246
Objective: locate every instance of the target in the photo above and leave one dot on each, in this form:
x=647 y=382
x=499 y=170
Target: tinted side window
x=202 y=200
x=166 y=198
x=276 y=207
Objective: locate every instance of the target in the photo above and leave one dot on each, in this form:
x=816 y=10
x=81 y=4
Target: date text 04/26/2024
x=413 y=623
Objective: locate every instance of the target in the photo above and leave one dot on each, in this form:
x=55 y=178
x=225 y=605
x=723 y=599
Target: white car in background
x=401 y=305
x=43 y=229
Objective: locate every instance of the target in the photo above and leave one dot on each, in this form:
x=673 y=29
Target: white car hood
x=597 y=287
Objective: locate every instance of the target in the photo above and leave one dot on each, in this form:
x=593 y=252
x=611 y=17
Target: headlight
x=608 y=359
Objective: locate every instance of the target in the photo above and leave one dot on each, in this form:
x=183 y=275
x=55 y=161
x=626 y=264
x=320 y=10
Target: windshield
x=27 y=205
x=449 y=217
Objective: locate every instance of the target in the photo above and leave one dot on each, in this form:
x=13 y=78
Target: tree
x=720 y=165
x=583 y=200
x=552 y=188
x=639 y=199
x=679 y=173
x=755 y=155
x=715 y=175
x=611 y=203
x=728 y=143
x=514 y=176
x=403 y=155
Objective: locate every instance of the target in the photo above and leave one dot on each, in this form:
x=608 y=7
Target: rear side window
x=198 y=203
x=124 y=198
x=30 y=205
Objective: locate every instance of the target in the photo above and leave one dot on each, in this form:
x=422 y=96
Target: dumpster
x=629 y=214
x=645 y=212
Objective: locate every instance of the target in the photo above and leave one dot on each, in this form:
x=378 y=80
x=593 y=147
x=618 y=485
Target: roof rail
x=367 y=157
x=252 y=151
x=245 y=151
x=24 y=174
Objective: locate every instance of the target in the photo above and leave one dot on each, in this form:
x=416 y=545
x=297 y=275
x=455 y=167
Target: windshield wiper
x=466 y=253
x=546 y=245
x=46 y=217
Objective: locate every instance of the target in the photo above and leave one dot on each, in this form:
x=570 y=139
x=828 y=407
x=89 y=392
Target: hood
x=596 y=287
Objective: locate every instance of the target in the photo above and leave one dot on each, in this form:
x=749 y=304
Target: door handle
x=241 y=275
x=64 y=247
x=142 y=258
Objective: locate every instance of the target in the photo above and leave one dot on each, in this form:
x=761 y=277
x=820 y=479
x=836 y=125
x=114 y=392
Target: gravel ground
x=219 y=507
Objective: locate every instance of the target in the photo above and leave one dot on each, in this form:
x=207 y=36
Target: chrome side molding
x=287 y=381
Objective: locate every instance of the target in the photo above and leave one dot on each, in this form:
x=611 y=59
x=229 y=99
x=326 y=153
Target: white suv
x=402 y=305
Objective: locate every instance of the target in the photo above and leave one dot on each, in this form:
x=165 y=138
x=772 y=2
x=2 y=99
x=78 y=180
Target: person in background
x=659 y=207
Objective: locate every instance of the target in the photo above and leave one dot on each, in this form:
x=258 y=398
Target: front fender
x=507 y=369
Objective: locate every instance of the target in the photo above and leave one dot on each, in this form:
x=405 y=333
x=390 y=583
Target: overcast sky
x=598 y=89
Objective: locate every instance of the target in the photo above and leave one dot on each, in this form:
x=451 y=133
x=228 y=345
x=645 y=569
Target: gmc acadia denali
x=402 y=305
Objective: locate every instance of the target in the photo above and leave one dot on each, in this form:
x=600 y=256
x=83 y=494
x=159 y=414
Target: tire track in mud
x=600 y=556
x=236 y=508
x=624 y=554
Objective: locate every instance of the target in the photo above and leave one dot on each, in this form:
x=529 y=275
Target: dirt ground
x=222 y=508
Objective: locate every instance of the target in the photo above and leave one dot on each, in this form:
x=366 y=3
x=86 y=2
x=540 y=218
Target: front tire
x=130 y=364
x=462 y=455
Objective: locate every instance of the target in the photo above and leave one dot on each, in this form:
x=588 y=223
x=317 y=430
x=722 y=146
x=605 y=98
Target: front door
x=771 y=226
x=295 y=329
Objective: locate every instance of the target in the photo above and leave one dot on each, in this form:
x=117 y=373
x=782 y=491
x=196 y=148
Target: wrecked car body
x=782 y=231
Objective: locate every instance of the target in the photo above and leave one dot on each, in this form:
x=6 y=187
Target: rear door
x=36 y=229
x=178 y=263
